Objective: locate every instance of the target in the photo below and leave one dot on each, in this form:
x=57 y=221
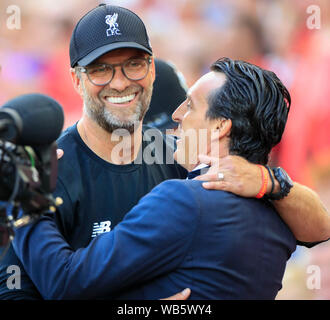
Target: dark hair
x=257 y=103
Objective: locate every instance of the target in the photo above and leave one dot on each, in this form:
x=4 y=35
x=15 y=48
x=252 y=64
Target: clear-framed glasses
x=102 y=74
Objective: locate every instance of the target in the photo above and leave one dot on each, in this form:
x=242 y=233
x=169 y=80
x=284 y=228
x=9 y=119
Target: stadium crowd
x=277 y=35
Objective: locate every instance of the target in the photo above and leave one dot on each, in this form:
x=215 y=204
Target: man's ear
x=153 y=69
x=76 y=80
x=224 y=127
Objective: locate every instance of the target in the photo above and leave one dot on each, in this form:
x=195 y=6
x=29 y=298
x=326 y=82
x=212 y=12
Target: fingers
x=183 y=295
x=215 y=185
x=59 y=153
x=208 y=177
x=208 y=160
x=205 y=159
x=212 y=182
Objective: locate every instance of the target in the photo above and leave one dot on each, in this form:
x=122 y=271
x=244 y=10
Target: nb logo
x=101 y=227
x=111 y=20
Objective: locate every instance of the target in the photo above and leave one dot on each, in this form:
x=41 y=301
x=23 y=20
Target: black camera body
x=29 y=126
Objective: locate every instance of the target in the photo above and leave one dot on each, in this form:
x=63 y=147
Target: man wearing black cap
x=113 y=69
x=103 y=172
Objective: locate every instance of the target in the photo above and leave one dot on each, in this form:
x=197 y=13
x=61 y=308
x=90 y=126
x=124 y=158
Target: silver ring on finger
x=221 y=176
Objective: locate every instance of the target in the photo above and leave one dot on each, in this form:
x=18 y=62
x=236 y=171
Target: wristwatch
x=285 y=184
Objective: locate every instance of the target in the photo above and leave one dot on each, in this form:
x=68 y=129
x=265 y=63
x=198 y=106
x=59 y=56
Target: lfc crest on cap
x=111 y=20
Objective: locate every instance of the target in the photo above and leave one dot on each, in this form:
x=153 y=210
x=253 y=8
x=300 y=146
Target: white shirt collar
x=200 y=166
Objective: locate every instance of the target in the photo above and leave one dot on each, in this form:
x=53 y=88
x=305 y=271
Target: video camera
x=29 y=127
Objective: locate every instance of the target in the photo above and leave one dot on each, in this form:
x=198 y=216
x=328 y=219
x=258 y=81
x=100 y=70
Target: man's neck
x=218 y=149
x=111 y=147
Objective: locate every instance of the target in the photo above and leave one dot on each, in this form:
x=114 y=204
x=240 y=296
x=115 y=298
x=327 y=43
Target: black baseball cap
x=106 y=28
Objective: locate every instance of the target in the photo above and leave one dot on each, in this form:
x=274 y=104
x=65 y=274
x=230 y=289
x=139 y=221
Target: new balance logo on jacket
x=102 y=227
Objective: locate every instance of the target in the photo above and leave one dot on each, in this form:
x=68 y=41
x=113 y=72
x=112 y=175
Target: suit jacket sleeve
x=153 y=239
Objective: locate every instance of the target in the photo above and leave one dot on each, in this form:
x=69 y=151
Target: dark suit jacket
x=179 y=235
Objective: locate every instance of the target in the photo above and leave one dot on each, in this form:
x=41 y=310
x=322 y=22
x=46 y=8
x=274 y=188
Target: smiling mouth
x=121 y=100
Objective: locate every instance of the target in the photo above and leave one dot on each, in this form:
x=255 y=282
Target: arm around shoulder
x=302 y=209
x=305 y=214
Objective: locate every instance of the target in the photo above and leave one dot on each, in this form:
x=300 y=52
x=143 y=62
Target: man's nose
x=178 y=113
x=119 y=81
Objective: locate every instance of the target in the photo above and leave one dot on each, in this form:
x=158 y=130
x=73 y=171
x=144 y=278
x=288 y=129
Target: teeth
x=125 y=99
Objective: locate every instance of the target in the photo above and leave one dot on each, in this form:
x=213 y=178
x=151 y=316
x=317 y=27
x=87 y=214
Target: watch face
x=285 y=176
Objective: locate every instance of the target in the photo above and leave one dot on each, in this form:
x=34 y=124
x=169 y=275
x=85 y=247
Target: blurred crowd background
x=191 y=34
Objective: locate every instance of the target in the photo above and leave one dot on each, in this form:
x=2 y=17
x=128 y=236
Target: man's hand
x=240 y=176
x=183 y=295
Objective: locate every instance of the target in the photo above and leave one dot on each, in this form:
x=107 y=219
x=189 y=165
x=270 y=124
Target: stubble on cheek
x=111 y=120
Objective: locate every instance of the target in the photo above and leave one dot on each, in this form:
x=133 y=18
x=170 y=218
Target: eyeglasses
x=102 y=74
